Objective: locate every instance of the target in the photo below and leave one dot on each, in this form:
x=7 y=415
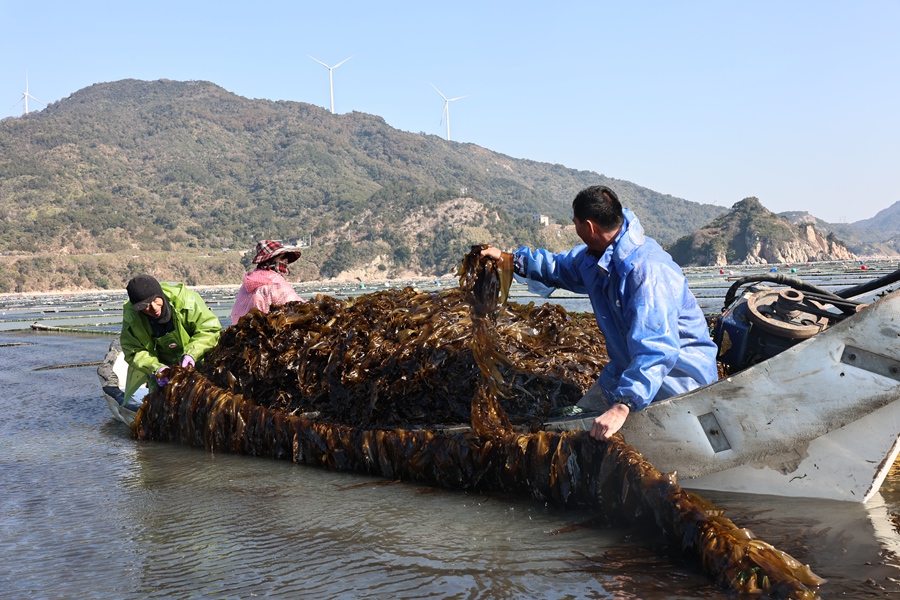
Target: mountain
x=883 y=227
x=751 y=234
x=878 y=236
x=175 y=170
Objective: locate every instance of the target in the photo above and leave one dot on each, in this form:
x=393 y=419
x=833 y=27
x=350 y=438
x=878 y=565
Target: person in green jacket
x=163 y=325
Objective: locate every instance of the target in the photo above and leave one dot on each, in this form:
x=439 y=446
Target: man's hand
x=492 y=252
x=607 y=424
x=187 y=361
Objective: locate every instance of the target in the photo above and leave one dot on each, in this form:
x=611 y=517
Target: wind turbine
x=26 y=96
x=446 y=111
x=330 y=76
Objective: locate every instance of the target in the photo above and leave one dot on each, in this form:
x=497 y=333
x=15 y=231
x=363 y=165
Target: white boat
x=820 y=419
x=112 y=375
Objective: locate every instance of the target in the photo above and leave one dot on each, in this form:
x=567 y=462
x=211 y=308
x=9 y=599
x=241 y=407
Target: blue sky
x=795 y=103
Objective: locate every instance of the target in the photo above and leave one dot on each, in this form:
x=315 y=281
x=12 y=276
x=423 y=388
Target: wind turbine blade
x=17 y=103
x=320 y=62
x=438 y=91
x=343 y=61
x=458 y=98
x=35 y=99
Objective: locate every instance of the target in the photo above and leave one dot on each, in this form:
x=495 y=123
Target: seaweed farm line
x=101 y=312
x=88 y=512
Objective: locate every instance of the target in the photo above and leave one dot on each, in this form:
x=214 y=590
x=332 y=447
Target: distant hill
x=878 y=236
x=136 y=167
x=751 y=234
x=883 y=227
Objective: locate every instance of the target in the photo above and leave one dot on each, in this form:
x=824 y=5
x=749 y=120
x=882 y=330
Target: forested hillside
x=177 y=169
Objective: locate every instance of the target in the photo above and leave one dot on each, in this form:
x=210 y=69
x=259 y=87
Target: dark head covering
x=266 y=250
x=142 y=290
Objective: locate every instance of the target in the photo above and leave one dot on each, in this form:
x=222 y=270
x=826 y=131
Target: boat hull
x=112 y=375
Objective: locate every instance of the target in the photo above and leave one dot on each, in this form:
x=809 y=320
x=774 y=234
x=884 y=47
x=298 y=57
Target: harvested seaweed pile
x=403 y=358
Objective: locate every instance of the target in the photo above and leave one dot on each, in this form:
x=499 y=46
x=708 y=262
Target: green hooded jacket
x=196 y=331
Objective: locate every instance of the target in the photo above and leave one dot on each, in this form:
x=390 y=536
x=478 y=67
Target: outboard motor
x=765 y=321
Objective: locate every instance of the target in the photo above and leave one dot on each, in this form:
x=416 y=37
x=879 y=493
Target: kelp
x=402 y=358
x=486 y=286
x=485 y=342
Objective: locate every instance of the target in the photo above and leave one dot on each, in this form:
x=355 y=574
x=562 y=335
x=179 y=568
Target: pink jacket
x=261 y=289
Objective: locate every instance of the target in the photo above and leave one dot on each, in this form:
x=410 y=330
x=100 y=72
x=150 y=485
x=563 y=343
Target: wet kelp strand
x=493 y=454
x=486 y=284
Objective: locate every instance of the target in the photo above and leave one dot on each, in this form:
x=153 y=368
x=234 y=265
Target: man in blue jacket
x=656 y=334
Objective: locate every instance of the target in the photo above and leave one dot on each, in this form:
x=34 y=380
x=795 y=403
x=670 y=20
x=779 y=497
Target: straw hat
x=266 y=250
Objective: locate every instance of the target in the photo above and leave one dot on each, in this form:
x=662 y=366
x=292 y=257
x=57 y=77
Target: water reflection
x=232 y=526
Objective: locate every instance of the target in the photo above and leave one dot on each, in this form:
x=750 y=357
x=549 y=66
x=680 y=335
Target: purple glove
x=161 y=379
x=187 y=361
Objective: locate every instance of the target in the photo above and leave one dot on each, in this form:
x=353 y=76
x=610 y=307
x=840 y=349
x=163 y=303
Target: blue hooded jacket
x=656 y=334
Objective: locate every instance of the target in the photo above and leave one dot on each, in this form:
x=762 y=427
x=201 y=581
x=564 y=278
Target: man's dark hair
x=599 y=204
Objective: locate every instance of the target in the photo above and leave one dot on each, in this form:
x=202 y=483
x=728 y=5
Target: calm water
x=85 y=512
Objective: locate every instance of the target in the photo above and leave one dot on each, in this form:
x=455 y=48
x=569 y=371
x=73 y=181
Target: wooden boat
x=821 y=419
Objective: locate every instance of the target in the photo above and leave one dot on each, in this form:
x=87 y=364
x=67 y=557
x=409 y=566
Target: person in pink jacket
x=266 y=285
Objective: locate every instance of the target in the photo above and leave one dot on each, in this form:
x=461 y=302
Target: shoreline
x=305 y=286
x=358 y=283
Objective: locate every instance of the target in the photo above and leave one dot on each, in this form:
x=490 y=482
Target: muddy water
x=87 y=512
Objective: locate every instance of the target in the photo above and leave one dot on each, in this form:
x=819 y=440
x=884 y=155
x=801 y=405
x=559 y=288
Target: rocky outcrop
x=877 y=237
x=751 y=234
